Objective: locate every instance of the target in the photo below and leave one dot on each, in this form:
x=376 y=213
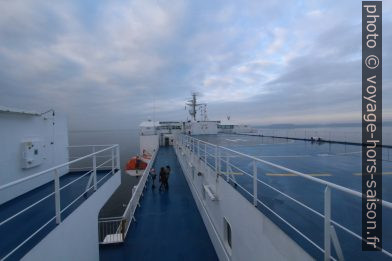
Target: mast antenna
x=192 y=103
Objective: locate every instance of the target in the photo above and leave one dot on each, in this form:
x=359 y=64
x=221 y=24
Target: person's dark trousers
x=162 y=186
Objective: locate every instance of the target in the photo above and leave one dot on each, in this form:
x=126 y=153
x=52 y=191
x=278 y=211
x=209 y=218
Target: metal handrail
x=299 y=203
x=13 y=183
x=82 y=195
x=110 y=218
x=317 y=180
x=105 y=156
x=89 y=145
x=46 y=224
x=131 y=207
x=329 y=230
x=57 y=190
x=129 y=212
x=42 y=199
x=49 y=195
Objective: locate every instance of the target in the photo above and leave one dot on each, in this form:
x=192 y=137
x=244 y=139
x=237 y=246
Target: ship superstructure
x=50 y=192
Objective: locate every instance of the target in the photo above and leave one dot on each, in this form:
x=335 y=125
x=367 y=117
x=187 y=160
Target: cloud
x=106 y=61
x=279 y=37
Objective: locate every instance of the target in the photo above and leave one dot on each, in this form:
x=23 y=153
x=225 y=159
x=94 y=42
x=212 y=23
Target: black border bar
x=372 y=125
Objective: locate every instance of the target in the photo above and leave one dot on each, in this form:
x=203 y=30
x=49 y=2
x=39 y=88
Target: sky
x=113 y=64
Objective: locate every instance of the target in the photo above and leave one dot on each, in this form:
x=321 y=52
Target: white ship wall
x=16 y=128
x=242 y=129
x=201 y=127
x=254 y=236
x=76 y=237
x=150 y=143
x=164 y=136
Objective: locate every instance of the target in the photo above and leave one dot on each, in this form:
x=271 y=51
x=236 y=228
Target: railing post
x=327 y=223
x=118 y=156
x=122 y=229
x=227 y=168
x=254 y=183
x=112 y=161
x=219 y=160
x=187 y=146
x=57 y=196
x=198 y=149
x=216 y=159
x=94 y=171
x=336 y=244
x=205 y=153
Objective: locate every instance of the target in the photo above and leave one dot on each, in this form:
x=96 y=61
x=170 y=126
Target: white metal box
x=32 y=153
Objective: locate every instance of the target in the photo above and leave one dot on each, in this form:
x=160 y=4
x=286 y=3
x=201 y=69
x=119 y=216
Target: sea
x=334 y=133
x=128 y=139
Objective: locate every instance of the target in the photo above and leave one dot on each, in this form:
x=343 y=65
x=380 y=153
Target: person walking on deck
x=167 y=170
x=162 y=179
x=153 y=176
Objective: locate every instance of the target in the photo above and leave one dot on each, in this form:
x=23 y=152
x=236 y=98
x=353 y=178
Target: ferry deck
x=333 y=162
x=168 y=225
x=172 y=219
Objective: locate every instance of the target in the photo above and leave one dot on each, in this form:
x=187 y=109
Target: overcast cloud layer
x=108 y=64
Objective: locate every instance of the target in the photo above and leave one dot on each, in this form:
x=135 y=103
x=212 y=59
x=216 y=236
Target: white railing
x=347 y=137
x=219 y=159
x=111 y=230
x=105 y=224
x=78 y=151
x=306 y=133
x=91 y=186
x=129 y=213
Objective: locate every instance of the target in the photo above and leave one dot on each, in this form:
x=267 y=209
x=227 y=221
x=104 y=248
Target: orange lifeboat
x=135 y=166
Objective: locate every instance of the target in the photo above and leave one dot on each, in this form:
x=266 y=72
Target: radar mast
x=193 y=106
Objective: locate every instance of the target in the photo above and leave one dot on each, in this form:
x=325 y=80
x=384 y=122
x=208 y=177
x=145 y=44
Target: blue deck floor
x=20 y=228
x=169 y=226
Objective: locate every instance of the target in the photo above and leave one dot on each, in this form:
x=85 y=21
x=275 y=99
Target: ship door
x=167 y=141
